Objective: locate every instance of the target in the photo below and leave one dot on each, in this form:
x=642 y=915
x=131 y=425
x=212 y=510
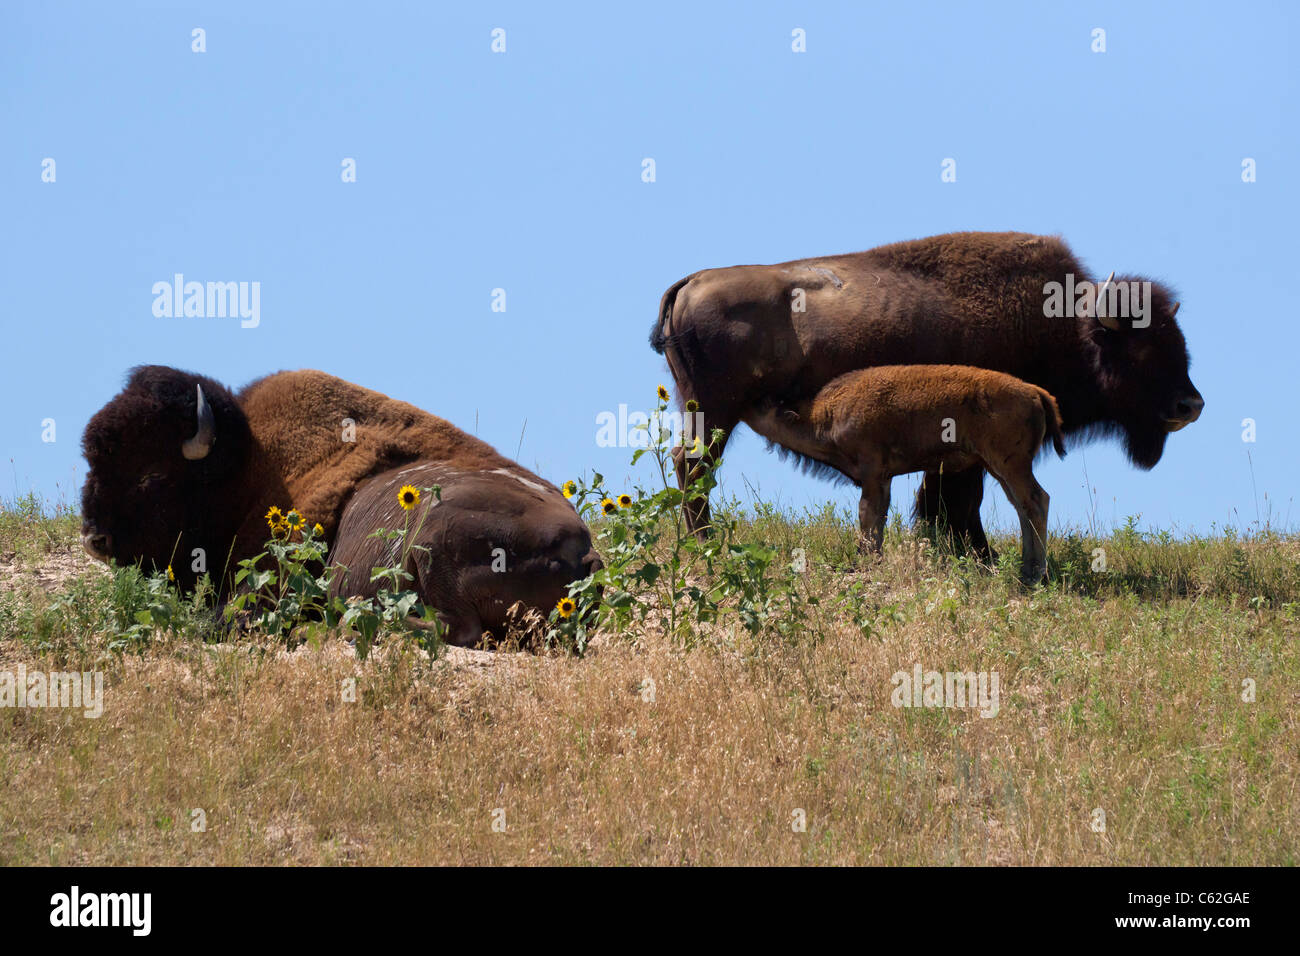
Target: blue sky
x=522 y=171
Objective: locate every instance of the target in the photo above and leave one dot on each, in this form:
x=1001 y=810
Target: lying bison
x=736 y=338
x=876 y=423
x=179 y=463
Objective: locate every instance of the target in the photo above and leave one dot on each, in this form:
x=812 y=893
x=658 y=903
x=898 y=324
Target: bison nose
x=1189 y=409
x=97 y=545
x=592 y=563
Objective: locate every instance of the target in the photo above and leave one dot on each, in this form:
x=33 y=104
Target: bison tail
x=1053 y=413
x=659 y=333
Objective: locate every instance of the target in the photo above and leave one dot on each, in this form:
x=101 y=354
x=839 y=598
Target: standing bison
x=179 y=463
x=738 y=338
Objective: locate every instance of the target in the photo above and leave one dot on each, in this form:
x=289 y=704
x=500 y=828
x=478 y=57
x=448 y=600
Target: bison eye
x=150 y=483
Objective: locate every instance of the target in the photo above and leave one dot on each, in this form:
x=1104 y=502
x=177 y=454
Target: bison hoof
x=1033 y=579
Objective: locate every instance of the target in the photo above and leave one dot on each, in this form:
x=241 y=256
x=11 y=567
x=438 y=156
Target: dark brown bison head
x=166 y=459
x=1142 y=374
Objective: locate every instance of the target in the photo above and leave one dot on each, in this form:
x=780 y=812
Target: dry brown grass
x=1126 y=704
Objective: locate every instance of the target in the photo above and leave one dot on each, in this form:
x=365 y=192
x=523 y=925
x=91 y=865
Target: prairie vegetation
x=750 y=723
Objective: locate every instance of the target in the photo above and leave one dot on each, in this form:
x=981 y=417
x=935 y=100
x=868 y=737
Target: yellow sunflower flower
x=570 y=489
x=317 y=529
x=625 y=501
x=408 y=497
x=274 y=517
x=171 y=575
x=608 y=507
x=294 y=521
x=692 y=405
x=663 y=394
x=566 y=607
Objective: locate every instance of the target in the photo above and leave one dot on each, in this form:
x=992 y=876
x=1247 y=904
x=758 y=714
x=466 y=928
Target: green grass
x=1121 y=691
x=30 y=529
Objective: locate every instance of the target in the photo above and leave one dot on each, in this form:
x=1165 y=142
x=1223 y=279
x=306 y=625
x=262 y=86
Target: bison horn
x=1174 y=310
x=1107 y=320
x=206 y=433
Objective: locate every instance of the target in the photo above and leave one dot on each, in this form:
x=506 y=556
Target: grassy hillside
x=1120 y=690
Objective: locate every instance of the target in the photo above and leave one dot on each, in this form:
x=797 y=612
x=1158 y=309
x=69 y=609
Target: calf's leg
x=1030 y=501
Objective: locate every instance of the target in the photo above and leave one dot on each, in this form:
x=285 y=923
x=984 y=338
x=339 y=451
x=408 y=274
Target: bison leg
x=1030 y=501
x=462 y=624
x=463 y=630
x=698 y=518
x=873 y=509
x=459 y=630
x=950 y=503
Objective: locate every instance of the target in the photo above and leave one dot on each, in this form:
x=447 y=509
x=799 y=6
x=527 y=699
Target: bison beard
x=181 y=468
x=738 y=338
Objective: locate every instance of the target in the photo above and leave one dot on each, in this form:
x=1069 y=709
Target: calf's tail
x=1053 y=413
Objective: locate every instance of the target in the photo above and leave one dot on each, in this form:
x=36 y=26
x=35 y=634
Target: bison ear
x=205 y=432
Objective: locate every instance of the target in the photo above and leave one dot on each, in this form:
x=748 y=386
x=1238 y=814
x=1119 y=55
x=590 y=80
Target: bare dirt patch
x=53 y=571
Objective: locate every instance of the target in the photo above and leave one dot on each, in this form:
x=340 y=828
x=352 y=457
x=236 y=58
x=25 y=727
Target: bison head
x=1142 y=372
x=166 y=458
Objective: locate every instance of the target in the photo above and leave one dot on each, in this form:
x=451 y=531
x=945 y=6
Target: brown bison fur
x=299 y=417
x=281 y=441
x=454 y=540
x=734 y=341
x=876 y=423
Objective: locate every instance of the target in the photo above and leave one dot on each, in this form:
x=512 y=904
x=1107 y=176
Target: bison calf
x=880 y=422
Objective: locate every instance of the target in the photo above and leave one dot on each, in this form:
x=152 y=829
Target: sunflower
x=698 y=448
x=294 y=521
x=171 y=575
x=608 y=507
x=625 y=501
x=316 y=529
x=570 y=489
x=566 y=607
x=274 y=517
x=408 y=497
x=663 y=394
x=692 y=405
